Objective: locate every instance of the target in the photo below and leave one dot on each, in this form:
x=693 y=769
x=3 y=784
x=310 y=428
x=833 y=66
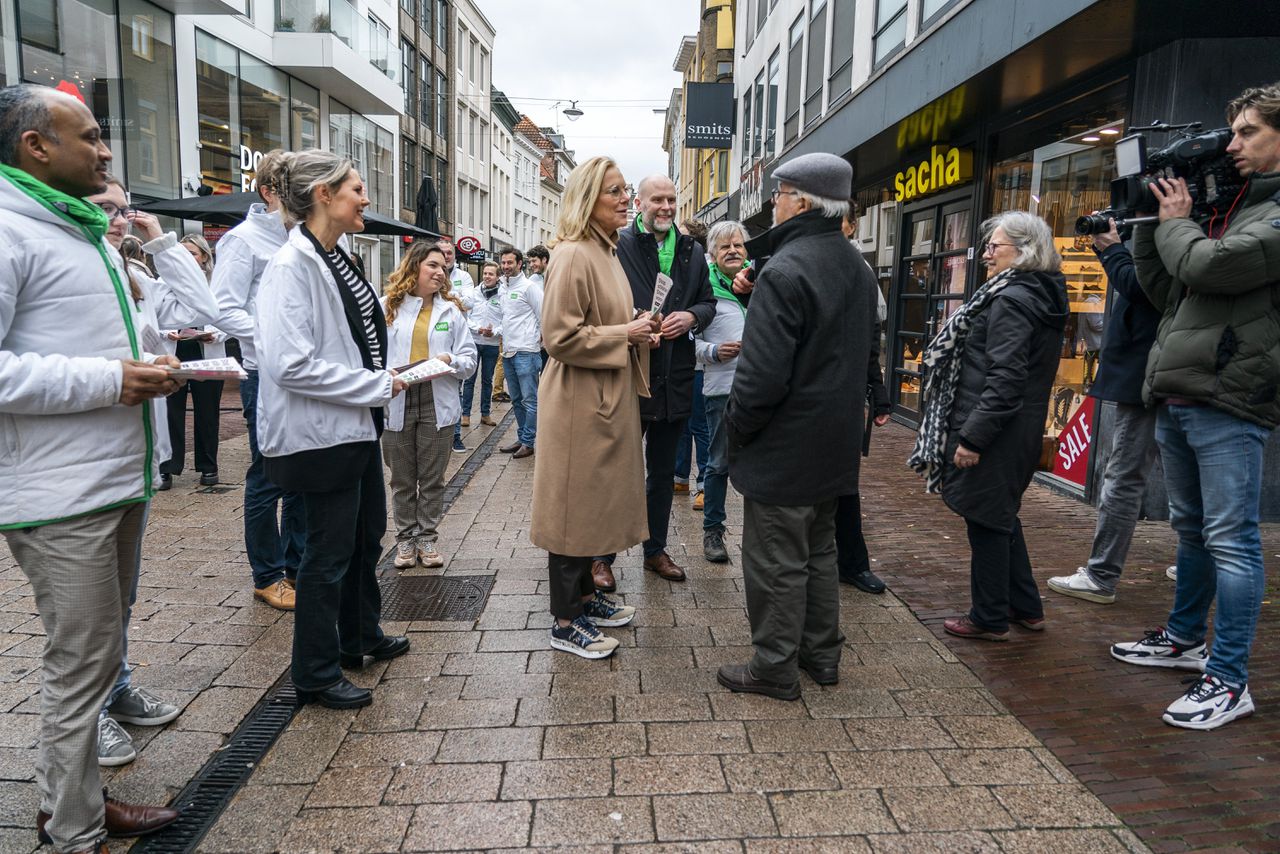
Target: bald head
x=53 y=137
x=656 y=201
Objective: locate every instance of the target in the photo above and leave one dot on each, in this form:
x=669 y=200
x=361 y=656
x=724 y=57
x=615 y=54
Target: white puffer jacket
x=449 y=334
x=67 y=447
x=243 y=255
x=313 y=390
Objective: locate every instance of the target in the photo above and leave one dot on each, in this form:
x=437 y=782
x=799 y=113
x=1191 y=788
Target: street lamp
x=572 y=111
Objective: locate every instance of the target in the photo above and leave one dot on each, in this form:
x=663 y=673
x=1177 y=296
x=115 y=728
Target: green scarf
x=666 y=249
x=723 y=288
x=88 y=216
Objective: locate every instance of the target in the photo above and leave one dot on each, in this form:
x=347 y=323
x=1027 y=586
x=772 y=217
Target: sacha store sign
x=941 y=169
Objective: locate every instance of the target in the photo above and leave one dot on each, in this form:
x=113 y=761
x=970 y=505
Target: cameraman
x=1214 y=375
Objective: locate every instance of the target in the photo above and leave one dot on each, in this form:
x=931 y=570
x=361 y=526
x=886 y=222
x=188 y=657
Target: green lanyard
x=666 y=249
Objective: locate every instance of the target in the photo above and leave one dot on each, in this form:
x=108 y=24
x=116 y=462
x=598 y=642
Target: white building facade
x=527 y=192
x=472 y=79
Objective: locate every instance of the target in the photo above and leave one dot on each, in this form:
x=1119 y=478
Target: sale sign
x=1075 y=443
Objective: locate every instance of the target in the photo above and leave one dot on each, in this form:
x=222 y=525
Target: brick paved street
x=482 y=738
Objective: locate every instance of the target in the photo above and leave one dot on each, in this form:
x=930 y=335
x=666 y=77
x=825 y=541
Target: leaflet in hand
x=209 y=369
x=189 y=333
x=418 y=372
x=661 y=288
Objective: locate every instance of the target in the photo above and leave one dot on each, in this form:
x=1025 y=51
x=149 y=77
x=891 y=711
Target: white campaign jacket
x=449 y=334
x=483 y=312
x=313 y=390
x=243 y=254
x=67 y=447
x=521 y=300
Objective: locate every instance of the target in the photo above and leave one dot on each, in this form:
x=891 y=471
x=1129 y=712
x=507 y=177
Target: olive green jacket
x=1219 y=337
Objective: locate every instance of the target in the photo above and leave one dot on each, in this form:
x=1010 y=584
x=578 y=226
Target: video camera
x=1200 y=158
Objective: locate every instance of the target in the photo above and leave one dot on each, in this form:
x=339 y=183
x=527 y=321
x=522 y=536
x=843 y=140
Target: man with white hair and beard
x=793 y=446
x=652 y=249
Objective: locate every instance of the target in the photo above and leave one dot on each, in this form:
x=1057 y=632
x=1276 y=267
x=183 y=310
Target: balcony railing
x=342 y=19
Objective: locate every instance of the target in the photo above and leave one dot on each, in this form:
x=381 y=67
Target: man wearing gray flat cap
x=793 y=444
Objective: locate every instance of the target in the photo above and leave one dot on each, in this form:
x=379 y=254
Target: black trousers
x=851 y=549
x=570 y=581
x=338 y=602
x=661 y=442
x=206 y=398
x=1000 y=578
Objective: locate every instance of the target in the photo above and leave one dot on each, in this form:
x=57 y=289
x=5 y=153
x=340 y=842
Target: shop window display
x=150 y=99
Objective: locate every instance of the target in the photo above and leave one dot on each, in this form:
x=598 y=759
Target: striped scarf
x=943 y=358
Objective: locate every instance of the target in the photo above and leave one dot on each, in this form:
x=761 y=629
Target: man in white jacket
x=274 y=549
x=79 y=462
x=521 y=334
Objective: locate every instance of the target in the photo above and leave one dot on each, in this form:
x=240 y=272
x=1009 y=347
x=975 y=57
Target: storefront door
x=933 y=275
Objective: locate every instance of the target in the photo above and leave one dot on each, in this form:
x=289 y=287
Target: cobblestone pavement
x=482 y=738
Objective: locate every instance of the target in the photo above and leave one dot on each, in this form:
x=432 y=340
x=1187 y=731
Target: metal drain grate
x=207 y=795
x=435 y=597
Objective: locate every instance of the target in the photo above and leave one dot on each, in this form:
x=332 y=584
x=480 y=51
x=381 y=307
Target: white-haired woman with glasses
x=991 y=370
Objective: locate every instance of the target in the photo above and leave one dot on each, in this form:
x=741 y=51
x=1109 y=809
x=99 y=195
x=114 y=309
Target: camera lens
x=1092 y=224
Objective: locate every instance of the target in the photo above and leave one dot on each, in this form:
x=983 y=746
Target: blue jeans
x=1213 y=473
x=697 y=431
x=274 y=547
x=488 y=355
x=716 y=469
x=522 y=372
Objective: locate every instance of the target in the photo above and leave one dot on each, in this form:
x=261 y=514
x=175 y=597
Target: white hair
x=831 y=208
x=722 y=231
x=1031 y=236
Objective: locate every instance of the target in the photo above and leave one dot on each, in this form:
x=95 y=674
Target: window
x=379 y=46
x=474 y=135
x=381 y=165
x=408 y=173
x=339 y=129
x=891 y=29
x=150 y=99
x=483 y=141
x=472 y=72
x=931 y=9
x=746 y=127
x=461 y=58
x=816 y=62
x=424 y=17
x=722 y=171
x=462 y=127
x=408 y=6
x=762 y=12
x=757 y=142
x=428 y=166
x=771 y=102
x=442 y=186
x=442 y=111
x=304 y=103
x=840 y=80
x=484 y=70
x=795 y=58
x=724 y=69
x=425 y=104
x=442 y=24
x=407 y=61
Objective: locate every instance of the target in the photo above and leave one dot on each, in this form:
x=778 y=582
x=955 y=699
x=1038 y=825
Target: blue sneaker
x=581 y=637
x=603 y=611
x=458 y=447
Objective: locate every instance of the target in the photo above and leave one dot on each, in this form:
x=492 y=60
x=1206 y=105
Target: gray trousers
x=418 y=455
x=1133 y=452
x=81 y=571
x=793 y=592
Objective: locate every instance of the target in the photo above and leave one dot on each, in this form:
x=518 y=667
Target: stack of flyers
x=661 y=288
x=426 y=369
x=188 y=333
x=209 y=369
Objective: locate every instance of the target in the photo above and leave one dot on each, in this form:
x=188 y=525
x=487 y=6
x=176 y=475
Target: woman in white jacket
x=426 y=321
x=323 y=383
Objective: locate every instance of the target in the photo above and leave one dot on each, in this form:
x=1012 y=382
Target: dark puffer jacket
x=1002 y=398
x=1219 y=338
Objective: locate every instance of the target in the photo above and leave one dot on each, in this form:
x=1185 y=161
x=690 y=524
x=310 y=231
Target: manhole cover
x=434 y=597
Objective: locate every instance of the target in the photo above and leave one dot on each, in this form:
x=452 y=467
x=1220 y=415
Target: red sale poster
x=1075 y=443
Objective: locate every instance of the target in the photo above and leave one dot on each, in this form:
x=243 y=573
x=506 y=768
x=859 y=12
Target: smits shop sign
x=708 y=115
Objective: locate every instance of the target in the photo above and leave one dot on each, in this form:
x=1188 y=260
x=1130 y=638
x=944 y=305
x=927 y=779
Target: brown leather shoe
x=662 y=564
x=487 y=421
x=525 y=451
x=466 y=421
x=739 y=679
x=121 y=819
x=963 y=627
x=510 y=449
x=602 y=575
x=278 y=595
x=680 y=488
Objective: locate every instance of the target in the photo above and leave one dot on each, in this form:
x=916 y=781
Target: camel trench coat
x=588 y=475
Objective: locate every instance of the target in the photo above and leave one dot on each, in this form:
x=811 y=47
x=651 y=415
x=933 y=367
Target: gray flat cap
x=823 y=175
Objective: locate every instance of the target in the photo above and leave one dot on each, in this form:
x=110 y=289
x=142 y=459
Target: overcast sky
x=600 y=53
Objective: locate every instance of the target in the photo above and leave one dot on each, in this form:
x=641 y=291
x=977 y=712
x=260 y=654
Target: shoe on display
x=140 y=707
x=430 y=558
x=115 y=747
x=607 y=613
x=713 y=546
x=406 y=554
x=581 y=637
x=1208 y=704
x=278 y=595
x=1171 y=573
x=1157 y=649
x=458 y=447
x=1082 y=586
x=209 y=478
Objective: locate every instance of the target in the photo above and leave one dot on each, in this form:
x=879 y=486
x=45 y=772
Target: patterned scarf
x=943 y=358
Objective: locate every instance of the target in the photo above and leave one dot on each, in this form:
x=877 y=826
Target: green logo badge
x=515 y=295
x=442 y=326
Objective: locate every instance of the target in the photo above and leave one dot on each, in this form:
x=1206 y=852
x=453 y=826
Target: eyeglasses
x=773 y=197
x=112 y=211
x=992 y=247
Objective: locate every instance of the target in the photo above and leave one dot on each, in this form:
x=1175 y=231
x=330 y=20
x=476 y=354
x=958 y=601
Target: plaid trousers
x=417 y=455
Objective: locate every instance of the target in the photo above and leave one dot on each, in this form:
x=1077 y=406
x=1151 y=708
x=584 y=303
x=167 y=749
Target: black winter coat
x=1131 y=330
x=1002 y=398
x=795 y=413
x=671 y=365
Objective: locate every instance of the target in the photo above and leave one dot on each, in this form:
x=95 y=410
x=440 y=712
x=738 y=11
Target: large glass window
x=305 y=120
x=757 y=142
x=381 y=165
x=814 y=69
x=762 y=13
x=339 y=129
x=795 y=59
x=408 y=62
x=891 y=29
x=425 y=74
x=218 y=112
x=424 y=18
x=442 y=105
x=150 y=99
x=442 y=24
x=746 y=127
x=840 y=80
x=771 y=102
x=930 y=9
x=408 y=173
x=264 y=113
x=442 y=186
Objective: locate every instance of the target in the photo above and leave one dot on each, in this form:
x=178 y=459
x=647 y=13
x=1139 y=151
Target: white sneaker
x=427 y=553
x=1172 y=573
x=406 y=554
x=1081 y=586
x=1157 y=649
x=115 y=747
x=1208 y=704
